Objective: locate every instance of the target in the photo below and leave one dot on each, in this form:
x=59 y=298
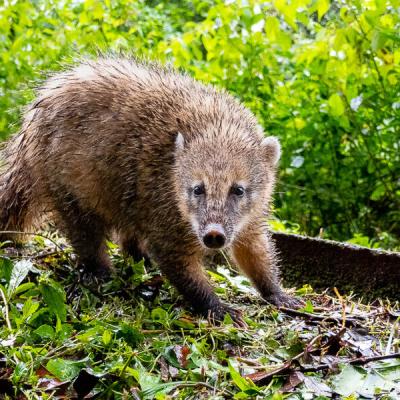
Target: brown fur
x=99 y=151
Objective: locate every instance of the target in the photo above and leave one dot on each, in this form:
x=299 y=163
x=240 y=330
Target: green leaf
x=288 y=11
x=378 y=193
x=336 y=107
x=360 y=240
x=29 y=308
x=378 y=40
x=6 y=267
x=90 y=334
x=24 y=287
x=243 y=384
x=54 y=296
x=349 y=381
x=65 y=370
x=151 y=388
x=45 y=332
x=389 y=370
x=160 y=315
x=18 y=274
x=64 y=331
x=308 y=307
x=107 y=337
x=375 y=383
x=322 y=8
x=131 y=335
x=272 y=28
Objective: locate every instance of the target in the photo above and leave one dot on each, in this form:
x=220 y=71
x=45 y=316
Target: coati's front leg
x=254 y=255
x=186 y=273
x=131 y=246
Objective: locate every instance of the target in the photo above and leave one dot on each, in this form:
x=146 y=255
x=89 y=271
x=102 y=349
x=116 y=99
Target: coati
x=174 y=167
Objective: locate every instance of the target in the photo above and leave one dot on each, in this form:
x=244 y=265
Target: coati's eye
x=237 y=191
x=199 y=190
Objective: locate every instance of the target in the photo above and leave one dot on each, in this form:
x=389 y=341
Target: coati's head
x=222 y=182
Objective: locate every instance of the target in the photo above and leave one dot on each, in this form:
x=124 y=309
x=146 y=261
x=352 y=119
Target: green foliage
x=54 y=297
x=65 y=337
x=64 y=369
x=321 y=75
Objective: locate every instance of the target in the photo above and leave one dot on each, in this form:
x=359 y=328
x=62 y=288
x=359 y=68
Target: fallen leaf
x=293 y=380
x=177 y=356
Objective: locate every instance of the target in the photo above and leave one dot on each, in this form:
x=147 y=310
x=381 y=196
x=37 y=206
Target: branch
x=262 y=378
x=348 y=322
x=33 y=234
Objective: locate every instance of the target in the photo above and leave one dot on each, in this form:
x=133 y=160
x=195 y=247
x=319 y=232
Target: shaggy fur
x=117 y=145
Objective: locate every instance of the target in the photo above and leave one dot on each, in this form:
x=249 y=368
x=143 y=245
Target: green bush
x=322 y=76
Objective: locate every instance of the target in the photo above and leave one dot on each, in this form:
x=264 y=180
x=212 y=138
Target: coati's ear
x=179 y=142
x=272 y=149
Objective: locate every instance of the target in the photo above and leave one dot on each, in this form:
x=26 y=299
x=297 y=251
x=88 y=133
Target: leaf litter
x=65 y=336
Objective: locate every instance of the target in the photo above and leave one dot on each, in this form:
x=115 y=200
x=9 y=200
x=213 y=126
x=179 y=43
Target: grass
x=64 y=335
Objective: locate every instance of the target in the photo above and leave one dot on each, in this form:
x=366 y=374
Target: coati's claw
x=284 y=300
x=100 y=272
x=93 y=272
x=217 y=316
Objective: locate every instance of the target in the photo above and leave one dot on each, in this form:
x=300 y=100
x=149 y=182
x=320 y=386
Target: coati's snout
x=211 y=213
x=214 y=237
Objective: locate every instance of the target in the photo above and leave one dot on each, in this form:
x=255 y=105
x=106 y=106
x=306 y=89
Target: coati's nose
x=215 y=237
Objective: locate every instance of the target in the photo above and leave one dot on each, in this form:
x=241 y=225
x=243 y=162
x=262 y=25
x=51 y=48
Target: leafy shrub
x=322 y=76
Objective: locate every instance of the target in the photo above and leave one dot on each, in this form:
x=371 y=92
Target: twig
x=196 y=327
x=126 y=364
x=392 y=332
x=204 y=384
x=356 y=361
x=366 y=360
x=261 y=378
x=343 y=303
x=348 y=322
x=34 y=234
x=34 y=256
x=253 y=363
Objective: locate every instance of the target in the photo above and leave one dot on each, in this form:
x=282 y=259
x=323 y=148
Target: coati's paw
x=282 y=299
x=99 y=270
x=217 y=315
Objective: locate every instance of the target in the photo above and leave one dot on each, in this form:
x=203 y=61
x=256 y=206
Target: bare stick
x=34 y=234
x=349 y=322
x=261 y=378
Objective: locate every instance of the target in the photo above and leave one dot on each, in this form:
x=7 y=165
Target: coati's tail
x=15 y=198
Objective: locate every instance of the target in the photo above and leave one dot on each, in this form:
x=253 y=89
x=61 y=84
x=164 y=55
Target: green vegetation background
x=323 y=76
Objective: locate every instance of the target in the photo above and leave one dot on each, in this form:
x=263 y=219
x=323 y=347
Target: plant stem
x=6 y=309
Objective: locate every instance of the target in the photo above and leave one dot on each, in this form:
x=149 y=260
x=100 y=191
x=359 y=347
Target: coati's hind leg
x=17 y=211
x=131 y=246
x=86 y=232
